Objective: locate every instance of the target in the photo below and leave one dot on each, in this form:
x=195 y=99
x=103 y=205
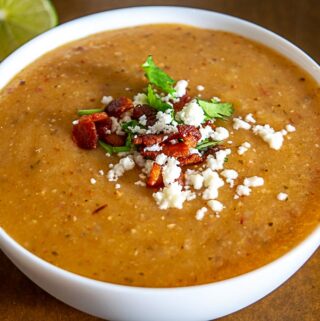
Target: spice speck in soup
x=160 y=156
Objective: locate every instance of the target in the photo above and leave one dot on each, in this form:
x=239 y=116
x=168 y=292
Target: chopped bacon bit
x=149 y=112
x=148 y=140
x=150 y=154
x=84 y=134
x=114 y=140
x=190 y=160
x=118 y=106
x=104 y=127
x=97 y=117
x=155 y=176
x=176 y=150
x=181 y=103
x=190 y=134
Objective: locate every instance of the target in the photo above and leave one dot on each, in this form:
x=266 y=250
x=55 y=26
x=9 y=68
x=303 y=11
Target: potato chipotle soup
x=160 y=156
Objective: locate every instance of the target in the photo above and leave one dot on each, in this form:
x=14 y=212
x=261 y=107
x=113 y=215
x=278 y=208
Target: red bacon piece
x=190 y=134
x=155 y=176
x=150 y=154
x=84 y=134
x=146 y=110
x=118 y=106
x=114 y=140
x=104 y=127
x=212 y=150
x=181 y=103
x=97 y=117
x=148 y=140
x=176 y=150
x=209 y=123
x=190 y=160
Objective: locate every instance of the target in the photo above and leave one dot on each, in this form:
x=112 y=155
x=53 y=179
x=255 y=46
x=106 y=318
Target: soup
x=57 y=202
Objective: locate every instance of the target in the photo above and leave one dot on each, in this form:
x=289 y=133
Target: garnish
x=163 y=131
x=157 y=76
x=114 y=149
x=206 y=143
x=216 y=109
x=83 y=112
x=155 y=101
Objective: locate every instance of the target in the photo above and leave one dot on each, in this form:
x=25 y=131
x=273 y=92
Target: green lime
x=21 y=20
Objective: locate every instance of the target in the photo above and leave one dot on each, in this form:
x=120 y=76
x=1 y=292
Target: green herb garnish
x=155 y=101
x=132 y=123
x=114 y=149
x=157 y=76
x=206 y=143
x=84 y=112
x=216 y=109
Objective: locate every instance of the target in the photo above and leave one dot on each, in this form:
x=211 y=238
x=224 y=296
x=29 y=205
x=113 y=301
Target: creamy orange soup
x=49 y=205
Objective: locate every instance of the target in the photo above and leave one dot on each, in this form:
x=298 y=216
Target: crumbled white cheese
x=253 y=181
x=116 y=127
x=161 y=159
x=125 y=164
x=92 y=181
x=201 y=213
x=153 y=148
x=101 y=172
x=117 y=186
x=206 y=132
x=164 y=123
x=171 y=171
x=195 y=179
x=290 y=128
x=191 y=114
x=140 y=99
x=215 y=205
x=216 y=162
x=220 y=133
x=106 y=100
x=75 y=122
x=171 y=196
x=238 y=123
x=139 y=159
x=230 y=175
x=143 y=120
x=181 y=88
x=243 y=148
x=269 y=135
x=243 y=190
x=213 y=182
x=282 y=196
x=200 y=88
x=249 y=119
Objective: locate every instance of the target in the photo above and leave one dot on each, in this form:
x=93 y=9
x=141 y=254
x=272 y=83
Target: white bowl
x=117 y=302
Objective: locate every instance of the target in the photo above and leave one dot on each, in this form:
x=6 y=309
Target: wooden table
x=299 y=298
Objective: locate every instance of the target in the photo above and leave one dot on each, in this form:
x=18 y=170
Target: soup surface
x=49 y=205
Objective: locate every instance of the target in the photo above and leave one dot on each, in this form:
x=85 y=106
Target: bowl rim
x=309 y=241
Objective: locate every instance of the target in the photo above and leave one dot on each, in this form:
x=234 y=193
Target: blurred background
x=296 y=20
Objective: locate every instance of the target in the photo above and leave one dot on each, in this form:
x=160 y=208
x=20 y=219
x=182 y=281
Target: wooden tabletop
x=299 y=298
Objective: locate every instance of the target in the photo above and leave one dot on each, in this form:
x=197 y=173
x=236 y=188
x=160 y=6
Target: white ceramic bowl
x=117 y=302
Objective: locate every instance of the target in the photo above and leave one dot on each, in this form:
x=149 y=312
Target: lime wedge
x=21 y=20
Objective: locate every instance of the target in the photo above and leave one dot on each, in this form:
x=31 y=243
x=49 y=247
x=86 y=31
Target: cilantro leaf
x=206 y=143
x=132 y=123
x=157 y=76
x=155 y=101
x=216 y=109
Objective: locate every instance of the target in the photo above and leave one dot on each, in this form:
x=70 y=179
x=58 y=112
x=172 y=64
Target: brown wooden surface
x=299 y=298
